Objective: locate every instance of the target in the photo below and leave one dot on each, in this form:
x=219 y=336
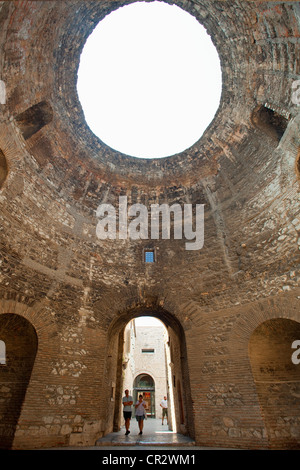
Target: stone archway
x=20 y=340
x=179 y=369
x=277 y=379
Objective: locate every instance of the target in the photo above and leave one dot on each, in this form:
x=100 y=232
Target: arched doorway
x=277 y=380
x=177 y=360
x=144 y=384
x=18 y=350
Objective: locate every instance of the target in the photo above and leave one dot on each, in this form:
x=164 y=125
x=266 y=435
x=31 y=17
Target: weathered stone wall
x=72 y=287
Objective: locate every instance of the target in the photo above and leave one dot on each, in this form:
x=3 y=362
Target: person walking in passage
x=140 y=412
x=127 y=401
x=164 y=405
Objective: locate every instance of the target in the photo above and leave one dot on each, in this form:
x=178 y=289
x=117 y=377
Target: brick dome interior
x=77 y=291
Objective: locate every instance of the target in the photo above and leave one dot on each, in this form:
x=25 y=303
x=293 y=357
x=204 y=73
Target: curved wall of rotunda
x=78 y=292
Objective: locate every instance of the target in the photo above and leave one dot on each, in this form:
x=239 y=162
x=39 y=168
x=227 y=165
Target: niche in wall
x=34 y=118
x=277 y=380
x=20 y=340
x=269 y=121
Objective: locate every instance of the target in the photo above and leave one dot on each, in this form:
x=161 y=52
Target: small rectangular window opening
x=148 y=351
x=2 y=352
x=149 y=256
x=113 y=389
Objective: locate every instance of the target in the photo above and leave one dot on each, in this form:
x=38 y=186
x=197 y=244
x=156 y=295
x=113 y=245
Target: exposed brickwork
x=77 y=293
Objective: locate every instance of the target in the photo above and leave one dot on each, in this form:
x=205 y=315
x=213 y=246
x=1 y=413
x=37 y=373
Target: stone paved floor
x=154 y=434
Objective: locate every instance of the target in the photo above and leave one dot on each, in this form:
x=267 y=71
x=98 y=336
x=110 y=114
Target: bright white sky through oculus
x=149 y=80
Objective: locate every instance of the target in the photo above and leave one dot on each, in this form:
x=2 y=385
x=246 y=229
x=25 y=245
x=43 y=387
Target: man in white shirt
x=127 y=411
x=164 y=405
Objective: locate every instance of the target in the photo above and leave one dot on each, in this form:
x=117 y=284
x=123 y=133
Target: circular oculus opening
x=149 y=80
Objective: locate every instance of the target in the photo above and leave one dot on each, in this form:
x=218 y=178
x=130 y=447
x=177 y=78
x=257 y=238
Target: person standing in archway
x=164 y=405
x=140 y=410
x=127 y=401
